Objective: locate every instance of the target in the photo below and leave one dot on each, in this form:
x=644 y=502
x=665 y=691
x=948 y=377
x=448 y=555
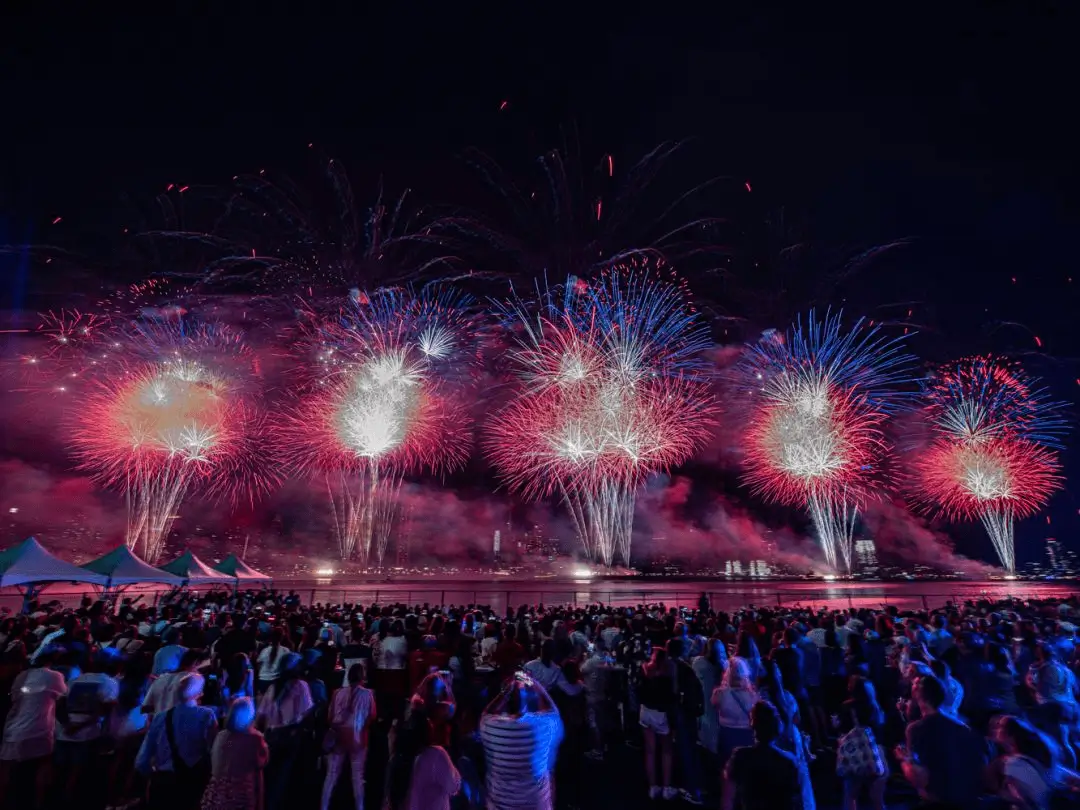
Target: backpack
x=691 y=695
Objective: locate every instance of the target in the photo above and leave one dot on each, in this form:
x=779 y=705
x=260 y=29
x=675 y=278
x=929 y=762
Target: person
x=283 y=708
x=175 y=754
x=508 y=654
x=421 y=774
x=689 y=706
x=710 y=668
x=30 y=728
x=861 y=710
x=238 y=758
x=271 y=658
x=549 y=674
x=733 y=700
x=657 y=694
x=1027 y=771
x=791 y=738
x=239 y=679
x=167 y=658
x=595 y=673
x=520 y=731
x=351 y=714
x=943 y=758
x=82 y=713
x=1049 y=679
x=762 y=776
x=128 y=725
x=162 y=694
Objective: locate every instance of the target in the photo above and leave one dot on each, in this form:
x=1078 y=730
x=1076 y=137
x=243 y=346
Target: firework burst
x=818 y=401
x=993 y=455
x=611 y=391
x=172 y=418
x=382 y=398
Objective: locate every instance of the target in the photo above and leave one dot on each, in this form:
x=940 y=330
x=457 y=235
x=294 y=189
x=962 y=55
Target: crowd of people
x=257 y=701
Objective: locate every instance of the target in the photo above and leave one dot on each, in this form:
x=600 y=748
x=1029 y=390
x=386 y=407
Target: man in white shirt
x=162 y=694
x=80 y=723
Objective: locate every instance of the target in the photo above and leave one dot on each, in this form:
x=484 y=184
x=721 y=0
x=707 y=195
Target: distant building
x=866 y=556
x=497 y=545
x=733 y=568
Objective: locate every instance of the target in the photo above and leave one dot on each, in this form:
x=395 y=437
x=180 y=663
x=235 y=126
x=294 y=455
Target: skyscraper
x=866 y=556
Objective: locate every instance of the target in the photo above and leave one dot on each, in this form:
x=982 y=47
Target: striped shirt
x=520 y=752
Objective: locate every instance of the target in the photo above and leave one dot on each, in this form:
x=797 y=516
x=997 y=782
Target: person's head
x=189 y=661
x=929 y=693
x=738 y=674
x=547 y=651
x=190 y=688
x=716 y=653
x=746 y=647
x=397 y=628
x=774 y=681
x=356 y=675
x=1044 y=651
x=1018 y=737
x=241 y=716
x=676 y=647
x=765 y=721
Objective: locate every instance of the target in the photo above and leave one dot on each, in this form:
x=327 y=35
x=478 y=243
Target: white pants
x=334 y=764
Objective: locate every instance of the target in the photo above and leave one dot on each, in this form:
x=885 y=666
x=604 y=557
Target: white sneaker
x=670 y=793
x=654 y=792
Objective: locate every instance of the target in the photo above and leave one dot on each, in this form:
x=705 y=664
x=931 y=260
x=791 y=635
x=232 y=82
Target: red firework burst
x=968 y=480
x=586 y=434
x=343 y=426
x=808 y=439
x=170 y=417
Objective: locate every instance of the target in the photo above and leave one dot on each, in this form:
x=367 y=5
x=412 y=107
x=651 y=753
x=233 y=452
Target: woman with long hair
x=733 y=700
x=791 y=737
x=1028 y=769
x=656 y=693
x=710 y=668
x=420 y=774
x=351 y=714
x=862 y=710
x=747 y=649
x=237 y=760
x=238 y=678
x=270 y=659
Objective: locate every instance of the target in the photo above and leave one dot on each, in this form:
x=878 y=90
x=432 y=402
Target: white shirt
x=550 y=676
x=33 y=709
x=395 y=653
x=162 y=694
x=269 y=664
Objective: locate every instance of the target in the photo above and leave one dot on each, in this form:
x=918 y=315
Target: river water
x=498 y=592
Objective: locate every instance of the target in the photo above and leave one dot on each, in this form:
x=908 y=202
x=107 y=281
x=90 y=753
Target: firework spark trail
x=993 y=457
x=611 y=390
x=159 y=428
x=818 y=401
x=381 y=399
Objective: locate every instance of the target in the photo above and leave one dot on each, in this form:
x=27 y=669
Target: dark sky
x=952 y=123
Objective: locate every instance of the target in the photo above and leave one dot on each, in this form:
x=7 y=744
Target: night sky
x=951 y=127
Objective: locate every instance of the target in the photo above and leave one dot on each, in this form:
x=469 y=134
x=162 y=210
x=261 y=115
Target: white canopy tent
x=194 y=571
x=30 y=564
x=242 y=573
x=123 y=568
